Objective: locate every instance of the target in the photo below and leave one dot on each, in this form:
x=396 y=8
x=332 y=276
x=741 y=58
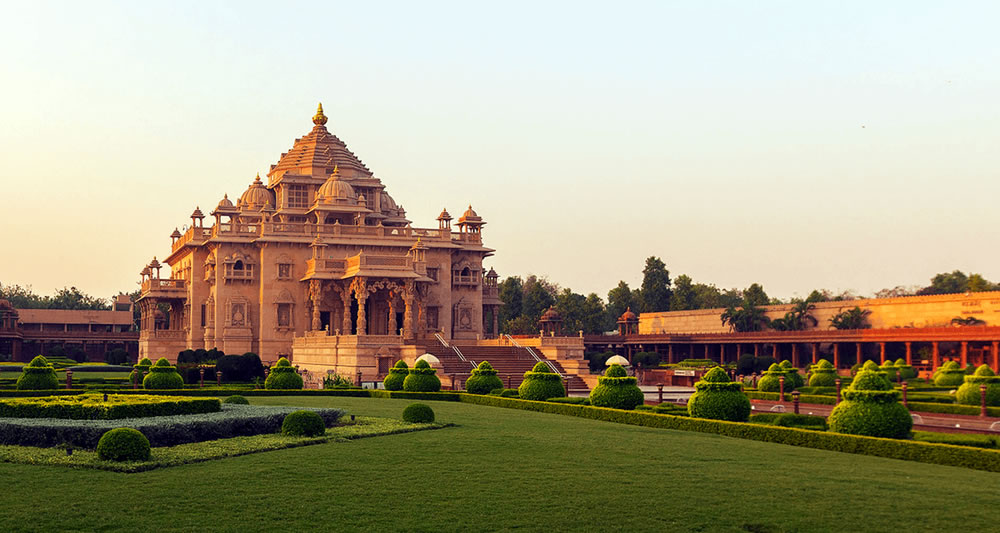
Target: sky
x=800 y=145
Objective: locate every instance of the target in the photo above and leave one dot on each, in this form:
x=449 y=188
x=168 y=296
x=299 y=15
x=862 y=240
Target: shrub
x=283 y=376
x=871 y=408
x=905 y=371
x=646 y=359
x=580 y=400
x=890 y=370
x=762 y=363
x=790 y=420
x=141 y=367
x=744 y=365
x=163 y=376
x=418 y=413
x=422 y=378
x=823 y=374
x=244 y=367
x=969 y=394
x=483 y=379
x=237 y=399
x=303 y=424
x=771 y=381
x=95 y=407
x=504 y=393
x=116 y=356
x=397 y=374
x=949 y=375
x=718 y=398
x=596 y=360
x=38 y=375
x=541 y=384
x=616 y=390
x=792 y=374
x=123 y=444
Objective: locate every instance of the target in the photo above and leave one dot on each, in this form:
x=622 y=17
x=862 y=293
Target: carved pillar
x=909 y=353
x=345 y=295
x=361 y=293
x=965 y=354
x=857 y=353
x=935 y=356
x=316 y=293
x=393 y=328
x=722 y=354
x=795 y=354
x=496 y=324
x=815 y=347
x=836 y=355
x=408 y=309
x=996 y=356
x=881 y=352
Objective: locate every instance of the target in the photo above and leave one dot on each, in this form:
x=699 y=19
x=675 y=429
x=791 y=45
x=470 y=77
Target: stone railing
x=162 y=284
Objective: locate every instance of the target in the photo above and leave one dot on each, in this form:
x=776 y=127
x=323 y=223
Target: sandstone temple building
x=318 y=262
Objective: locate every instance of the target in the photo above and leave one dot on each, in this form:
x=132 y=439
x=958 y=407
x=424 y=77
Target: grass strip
x=197 y=452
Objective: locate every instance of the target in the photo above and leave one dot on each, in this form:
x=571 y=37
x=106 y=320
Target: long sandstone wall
x=906 y=311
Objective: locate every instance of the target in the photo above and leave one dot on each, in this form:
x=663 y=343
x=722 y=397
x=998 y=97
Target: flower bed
x=231 y=421
x=99 y=407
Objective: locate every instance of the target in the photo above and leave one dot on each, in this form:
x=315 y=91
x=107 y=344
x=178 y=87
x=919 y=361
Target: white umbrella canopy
x=430 y=358
x=616 y=360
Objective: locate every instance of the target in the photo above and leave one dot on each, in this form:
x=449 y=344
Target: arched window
x=238 y=265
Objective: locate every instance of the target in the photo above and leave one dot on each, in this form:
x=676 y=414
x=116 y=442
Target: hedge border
x=915 y=407
x=907 y=450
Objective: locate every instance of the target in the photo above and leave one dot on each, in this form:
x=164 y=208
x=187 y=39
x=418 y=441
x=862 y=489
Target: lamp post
x=795 y=401
x=837 y=382
x=781 y=389
x=69 y=379
x=904 y=387
x=201 y=377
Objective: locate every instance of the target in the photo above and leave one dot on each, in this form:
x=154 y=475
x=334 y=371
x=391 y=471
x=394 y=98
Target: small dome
x=492 y=273
x=388 y=204
x=176 y=234
x=197 y=213
x=469 y=213
x=445 y=215
x=335 y=189
x=256 y=196
x=628 y=315
x=225 y=203
x=551 y=315
x=470 y=217
x=154 y=264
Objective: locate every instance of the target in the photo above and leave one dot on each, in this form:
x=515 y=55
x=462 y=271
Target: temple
x=319 y=264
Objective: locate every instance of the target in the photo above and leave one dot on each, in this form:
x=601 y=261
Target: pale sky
x=801 y=145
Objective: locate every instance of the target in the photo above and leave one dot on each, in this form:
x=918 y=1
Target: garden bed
x=231 y=421
x=105 y=407
x=210 y=450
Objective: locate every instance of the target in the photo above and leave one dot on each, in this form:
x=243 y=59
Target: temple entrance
x=324 y=321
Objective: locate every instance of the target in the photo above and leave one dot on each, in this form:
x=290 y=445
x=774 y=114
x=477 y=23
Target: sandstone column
x=996 y=357
x=315 y=292
x=345 y=295
x=935 y=356
x=361 y=293
x=965 y=354
x=909 y=353
x=881 y=352
x=393 y=329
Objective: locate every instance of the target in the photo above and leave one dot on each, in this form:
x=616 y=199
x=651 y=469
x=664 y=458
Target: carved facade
x=321 y=249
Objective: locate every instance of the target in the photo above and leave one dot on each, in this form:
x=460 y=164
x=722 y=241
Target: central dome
x=256 y=196
x=336 y=190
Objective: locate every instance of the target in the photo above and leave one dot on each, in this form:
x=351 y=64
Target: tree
x=595 y=317
x=896 y=292
x=510 y=292
x=798 y=319
x=655 y=289
x=683 y=294
x=754 y=295
x=819 y=295
x=539 y=295
x=65 y=298
x=707 y=296
x=748 y=317
x=571 y=306
x=620 y=299
x=855 y=318
x=977 y=283
x=947 y=283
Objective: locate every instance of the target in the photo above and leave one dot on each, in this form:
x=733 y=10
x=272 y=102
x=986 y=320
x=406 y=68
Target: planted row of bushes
x=94 y=407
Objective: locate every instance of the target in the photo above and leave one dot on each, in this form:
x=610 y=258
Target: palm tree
x=855 y=318
x=749 y=317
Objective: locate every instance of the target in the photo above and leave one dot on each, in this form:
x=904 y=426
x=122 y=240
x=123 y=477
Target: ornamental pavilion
x=320 y=264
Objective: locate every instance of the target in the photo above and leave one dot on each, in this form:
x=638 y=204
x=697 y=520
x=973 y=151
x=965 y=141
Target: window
x=204 y=319
x=432 y=273
x=284 y=315
x=298 y=196
x=284 y=271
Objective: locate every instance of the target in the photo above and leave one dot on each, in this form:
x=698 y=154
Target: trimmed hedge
x=871 y=407
x=823 y=374
x=123 y=444
x=236 y=399
x=540 y=383
x=163 y=376
x=422 y=378
x=483 y=379
x=790 y=420
x=418 y=413
x=135 y=376
x=969 y=393
x=617 y=390
x=949 y=374
x=717 y=398
x=394 y=379
x=93 y=406
x=771 y=381
x=905 y=371
x=907 y=450
x=792 y=374
x=38 y=375
x=303 y=423
x=283 y=377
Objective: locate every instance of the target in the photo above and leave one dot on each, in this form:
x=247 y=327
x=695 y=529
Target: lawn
x=510 y=469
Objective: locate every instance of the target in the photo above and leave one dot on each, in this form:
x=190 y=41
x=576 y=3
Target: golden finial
x=258 y=178
x=336 y=170
x=319 y=118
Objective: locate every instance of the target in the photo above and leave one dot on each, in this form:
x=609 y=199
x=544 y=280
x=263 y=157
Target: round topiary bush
x=617 y=390
x=771 y=381
x=163 y=375
x=140 y=368
x=718 y=398
x=541 y=383
x=236 y=399
x=422 y=378
x=905 y=371
x=890 y=370
x=283 y=376
x=792 y=374
x=38 y=375
x=418 y=413
x=823 y=374
x=949 y=375
x=123 y=444
x=483 y=379
x=969 y=393
x=397 y=374
x=871 y=407
x=303 y=423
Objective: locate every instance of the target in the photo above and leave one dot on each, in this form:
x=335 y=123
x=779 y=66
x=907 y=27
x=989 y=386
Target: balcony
x=163 y=288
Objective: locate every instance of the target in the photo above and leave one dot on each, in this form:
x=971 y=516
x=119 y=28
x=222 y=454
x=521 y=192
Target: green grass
x=510 y=469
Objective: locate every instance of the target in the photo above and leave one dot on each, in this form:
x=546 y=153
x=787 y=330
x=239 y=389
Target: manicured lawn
x=510 y=469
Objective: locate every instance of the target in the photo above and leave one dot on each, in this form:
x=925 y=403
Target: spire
x=319 y=118
x=258 y=178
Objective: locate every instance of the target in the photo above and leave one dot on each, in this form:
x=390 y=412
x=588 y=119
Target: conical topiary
x=905 y=371
x=823 y=374
x=890 y=370
x=483 y=379
x=397 y=374
x=871 y=407
x=163 y=375
x=616 y=390
x=140 y=368
x=969 y=393
x=950 y=375
x=792 y=374
x=283 y=376
x=718 y=398
x=422 y=378
x=771 y=382
x=38 y=375
x=541 y=383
